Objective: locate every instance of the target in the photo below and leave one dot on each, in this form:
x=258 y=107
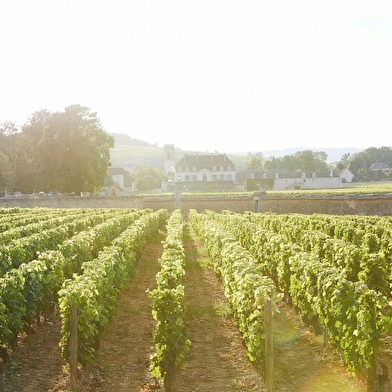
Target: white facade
x=346 y=175
x=281 y=184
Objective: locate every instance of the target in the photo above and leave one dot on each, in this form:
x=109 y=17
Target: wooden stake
x=269 y=348
x=73 y=347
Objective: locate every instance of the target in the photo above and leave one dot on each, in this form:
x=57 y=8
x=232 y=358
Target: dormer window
x=276 y=175
x=252 y=176
x=194 y=168
x=313 y=175
x=303 y=175
x=221 y=168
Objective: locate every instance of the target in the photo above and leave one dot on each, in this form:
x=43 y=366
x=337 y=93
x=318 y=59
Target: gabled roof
x=379 y=166
x=282 y=173
x=205 y=160
x=118 y=171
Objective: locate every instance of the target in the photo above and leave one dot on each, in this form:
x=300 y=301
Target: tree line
x=360 y=164
x=63 y=152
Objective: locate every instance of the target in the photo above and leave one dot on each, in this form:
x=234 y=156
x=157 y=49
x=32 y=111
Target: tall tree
x=63 y=151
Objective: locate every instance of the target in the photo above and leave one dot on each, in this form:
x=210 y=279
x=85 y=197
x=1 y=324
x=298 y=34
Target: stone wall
x=343 y=205
x=74 y=202
x=335 y=205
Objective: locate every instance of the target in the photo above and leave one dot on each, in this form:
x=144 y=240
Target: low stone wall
x=74 y=202
x=334 y=205
x=338 y=205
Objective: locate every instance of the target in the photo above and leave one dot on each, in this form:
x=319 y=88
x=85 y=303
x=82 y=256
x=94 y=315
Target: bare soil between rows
x=217 y=360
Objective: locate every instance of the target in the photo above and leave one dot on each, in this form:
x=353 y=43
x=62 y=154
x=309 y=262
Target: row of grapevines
x=171 y=342
x=86 y=245
x=352 y=314
x=32 y=288
x=372 y=233
x=95 y=291
x=244 y=283
x=47 y=221
x=25 y=217
x=24 y=250
x=363 y=260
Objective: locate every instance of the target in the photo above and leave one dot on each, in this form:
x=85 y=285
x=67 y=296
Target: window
x=221 y=168
x=303 y=175
x=313 y=175
x=252 y=176
x=194 y=168
x=264 y=175
x=229 y=168
x=276 y=175
x=187 y=168
x=213 y=168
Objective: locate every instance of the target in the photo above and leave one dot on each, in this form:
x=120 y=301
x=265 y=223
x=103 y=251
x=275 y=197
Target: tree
x=360 y=163
x=254 y=163
x=304 y=160
x=63 y=151
x=148 y=178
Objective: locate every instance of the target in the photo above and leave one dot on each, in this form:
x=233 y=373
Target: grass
x=361 y=188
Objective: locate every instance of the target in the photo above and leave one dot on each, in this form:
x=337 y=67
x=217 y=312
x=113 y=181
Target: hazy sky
x=206 y=75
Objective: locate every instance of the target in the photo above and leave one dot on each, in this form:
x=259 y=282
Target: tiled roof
x=205 y=160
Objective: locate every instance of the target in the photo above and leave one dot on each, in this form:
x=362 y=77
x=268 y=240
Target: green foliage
x=148 y=178
x=95 y=290
x=171 y=342
x=245 y=285
x=307 y=160
x=64 y=151
x=333 y=270
x=255 y=163
x=359 y=164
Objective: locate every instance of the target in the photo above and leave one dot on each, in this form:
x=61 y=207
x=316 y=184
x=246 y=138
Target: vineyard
x=332 y=272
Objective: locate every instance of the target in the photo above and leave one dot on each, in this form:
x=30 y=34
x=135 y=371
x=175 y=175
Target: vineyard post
x=73 y=347
x=269 y=349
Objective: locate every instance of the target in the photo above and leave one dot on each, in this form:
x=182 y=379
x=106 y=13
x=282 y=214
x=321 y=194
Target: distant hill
x=131 y=154
x=122 y=139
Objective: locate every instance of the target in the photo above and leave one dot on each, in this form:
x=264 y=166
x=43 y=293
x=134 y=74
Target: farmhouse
x=278 y=180
x=118 y=182
x=211 y=172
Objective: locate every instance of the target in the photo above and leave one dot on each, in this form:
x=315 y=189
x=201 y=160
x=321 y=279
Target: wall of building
x=307 y=183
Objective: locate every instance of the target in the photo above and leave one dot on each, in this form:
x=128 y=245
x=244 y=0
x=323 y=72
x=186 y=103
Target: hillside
x=131 y=153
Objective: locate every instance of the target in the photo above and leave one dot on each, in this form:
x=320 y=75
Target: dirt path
x=217 y=360
x=122 y=362
x=37 y=365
